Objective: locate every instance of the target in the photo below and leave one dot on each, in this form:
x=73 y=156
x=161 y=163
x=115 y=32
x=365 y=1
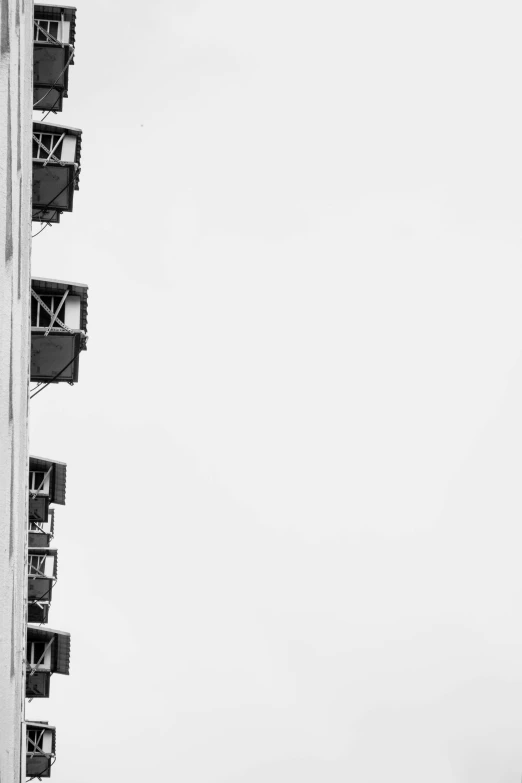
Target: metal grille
x=37 y=565
x=36 y=479
x=39 y=315
x=35 y=652
x=45 y=30
x=35 y=742
x=47 y=146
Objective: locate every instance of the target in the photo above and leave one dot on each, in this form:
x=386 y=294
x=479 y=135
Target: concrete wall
x=15 y=242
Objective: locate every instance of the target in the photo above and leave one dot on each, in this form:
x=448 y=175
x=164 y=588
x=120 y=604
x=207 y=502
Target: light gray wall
x=15 y=240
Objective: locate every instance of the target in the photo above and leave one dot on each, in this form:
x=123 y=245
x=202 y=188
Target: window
x=39 y=482
x=35 y=741
x=40 y=316
x=47 y=144
x=45 y=30
x=37 y=565
x=37 y=525
x=36 y=480
x=35 y=652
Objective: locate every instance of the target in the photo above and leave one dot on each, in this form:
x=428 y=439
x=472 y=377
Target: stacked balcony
x=40 y=749
x=58 y=338
x=53 y=54
x=56 y=170
x=47 y=653
x=58 y=330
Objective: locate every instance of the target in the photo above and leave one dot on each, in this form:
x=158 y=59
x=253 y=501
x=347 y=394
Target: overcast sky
x=292 y=545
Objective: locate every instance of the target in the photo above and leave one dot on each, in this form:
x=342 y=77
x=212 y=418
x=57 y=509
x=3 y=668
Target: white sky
x=292 y=543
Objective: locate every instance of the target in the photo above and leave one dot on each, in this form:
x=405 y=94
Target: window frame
x=57 y=306
x=34 y=484
x=39 y=568
x=45 y=32
x=55 y=147
x=38 y=489
x=44 y=648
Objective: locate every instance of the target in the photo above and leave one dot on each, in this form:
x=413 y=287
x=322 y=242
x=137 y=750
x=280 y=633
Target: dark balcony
x=41 y=579
x=47 y=653
x=47 y=481
x=53 y=54
x=58 y=329
x=40 y=749
x=56 y=170
x=41 y=523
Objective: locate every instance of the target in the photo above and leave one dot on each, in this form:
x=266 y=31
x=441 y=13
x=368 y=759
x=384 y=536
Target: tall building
x=16 y=101
x=43 y=331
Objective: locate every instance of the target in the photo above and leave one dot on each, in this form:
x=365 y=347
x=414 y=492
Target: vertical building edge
x=16 y=50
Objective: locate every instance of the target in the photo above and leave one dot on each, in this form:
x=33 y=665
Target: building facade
x=16 y=100
x=43 y=330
